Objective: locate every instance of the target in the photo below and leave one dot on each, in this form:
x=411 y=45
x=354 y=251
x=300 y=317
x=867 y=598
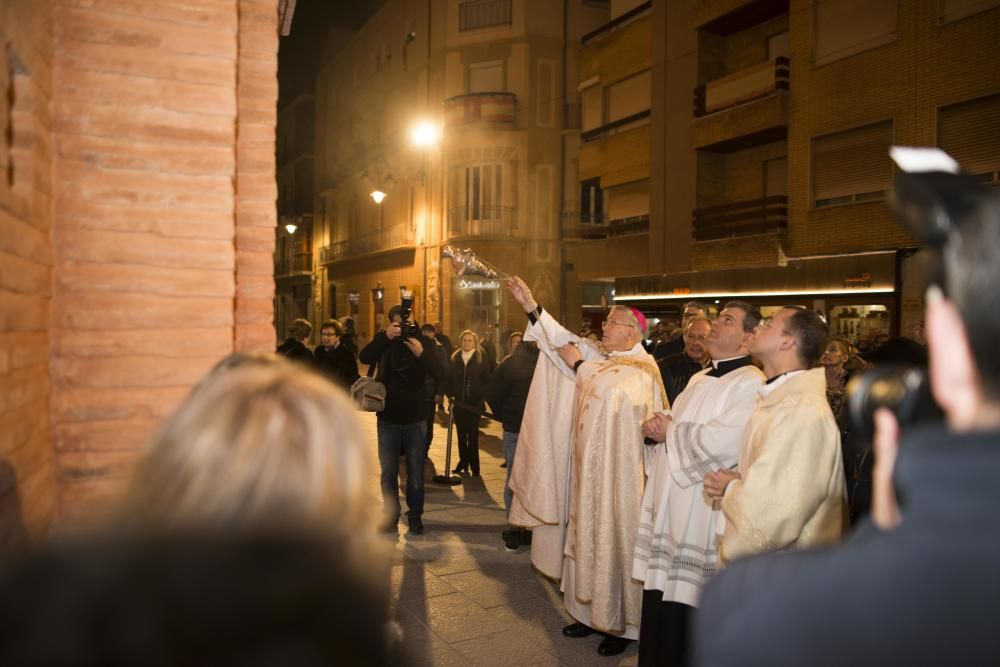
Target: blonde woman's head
x=258 y=441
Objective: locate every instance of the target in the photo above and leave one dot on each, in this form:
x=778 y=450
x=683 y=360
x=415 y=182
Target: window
x=486 y=77
x=953 y=10
x=591 y=202
x=776 y=177
x=842 y=28
x=852 y=166
x=593 y=107
x=628 y=201
x=483 y=192
x=476 y=14
x=628 y=97
x=970 y=132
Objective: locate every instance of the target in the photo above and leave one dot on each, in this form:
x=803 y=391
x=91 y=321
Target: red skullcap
x=640 y=318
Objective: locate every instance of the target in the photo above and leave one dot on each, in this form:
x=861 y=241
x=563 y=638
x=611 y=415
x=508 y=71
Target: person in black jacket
x=333 y=358
x=668 y=347
x=404 y=362
x=508 y=394
x=435 y=388
x=918 y=585
x=468 y=382
x=294 y=346
x=678 y=369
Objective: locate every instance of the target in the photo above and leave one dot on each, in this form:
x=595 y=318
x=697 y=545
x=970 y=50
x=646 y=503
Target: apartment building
x=768 y=131
x=490 y=88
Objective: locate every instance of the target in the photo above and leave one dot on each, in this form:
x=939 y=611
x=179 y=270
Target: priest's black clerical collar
x=781 y=375
x=729 y=365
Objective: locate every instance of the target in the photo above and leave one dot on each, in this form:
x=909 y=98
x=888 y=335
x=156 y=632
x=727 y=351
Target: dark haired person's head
x=793 y=335
x=751 y=314
x=300 y=329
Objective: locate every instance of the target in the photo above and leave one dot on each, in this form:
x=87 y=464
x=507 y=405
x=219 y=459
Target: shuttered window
x=843 y=28
x=953 y=10
x=628 y=201
x=853 y=165
x=970 y=132
x=628 y=97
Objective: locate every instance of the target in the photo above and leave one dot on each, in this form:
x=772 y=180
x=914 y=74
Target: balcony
x=292 y=265
x=617 y=23
x=482 y=221
x=397 y=237
x=478 y=14
x=725 y=17
x=491 y=109
x=753 y=217
x=592 y=226
x=744 y=109
x=617 y=155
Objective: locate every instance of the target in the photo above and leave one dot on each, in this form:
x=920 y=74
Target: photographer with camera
x=405 y=358
x=917 y=585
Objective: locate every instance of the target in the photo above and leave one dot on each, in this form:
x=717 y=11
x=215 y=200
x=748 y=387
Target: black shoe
x=613 y=645
x=390 y=527
x=503 y=465
x=511 y=539
x=459 y=469
x=577 y=630
x=416 y=526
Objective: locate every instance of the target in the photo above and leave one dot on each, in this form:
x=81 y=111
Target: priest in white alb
x=580 y=467
x=677 y=548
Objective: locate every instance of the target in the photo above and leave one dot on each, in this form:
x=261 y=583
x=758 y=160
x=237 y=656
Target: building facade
x=494 y=81
x=771 y=186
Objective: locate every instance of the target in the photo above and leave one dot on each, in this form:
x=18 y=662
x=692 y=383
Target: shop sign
x=478 y=283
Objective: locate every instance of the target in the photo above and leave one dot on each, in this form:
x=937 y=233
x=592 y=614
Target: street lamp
x=291 y=227
x=378 y=196
x=425 y=134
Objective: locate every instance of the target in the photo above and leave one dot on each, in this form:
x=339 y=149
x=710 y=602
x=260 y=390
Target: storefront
x=860 y=296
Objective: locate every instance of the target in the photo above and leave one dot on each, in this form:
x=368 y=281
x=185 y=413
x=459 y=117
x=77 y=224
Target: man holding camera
x=918 y=585
x=405 y=358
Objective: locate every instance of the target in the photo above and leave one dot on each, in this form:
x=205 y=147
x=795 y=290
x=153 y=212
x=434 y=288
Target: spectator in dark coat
x=349 y=339
x=443 y=339
x=677 y=369
x=294 y=346
x=468 y=382
x=333 y=358
x=676 y=346
x=489 y=349
x=404 y=362
x=435 y=387
x=508 y=394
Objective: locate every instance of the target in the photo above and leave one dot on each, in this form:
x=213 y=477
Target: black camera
x=903 y=390
x=407 y=329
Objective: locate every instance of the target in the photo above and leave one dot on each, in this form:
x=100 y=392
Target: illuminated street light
x=378 y=196
x=291 y=228
x=425 y=134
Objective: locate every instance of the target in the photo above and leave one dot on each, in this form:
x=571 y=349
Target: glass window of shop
x=866 y=326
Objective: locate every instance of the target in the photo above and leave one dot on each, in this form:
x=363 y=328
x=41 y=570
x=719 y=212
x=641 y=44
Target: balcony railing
x=754 y=217
x=480 y=108
x=592 y=225
x=616 y=126
x=293 y=264
x=476 y=14
x=743 y=86
x=390 y=238
x=617 y=22
x=482 y=221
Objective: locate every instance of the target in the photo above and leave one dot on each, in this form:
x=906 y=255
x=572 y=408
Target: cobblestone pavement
x=460 y=598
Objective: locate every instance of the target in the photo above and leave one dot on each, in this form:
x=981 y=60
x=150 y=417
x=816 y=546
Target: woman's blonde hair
x=257 y=441
x=477 y=351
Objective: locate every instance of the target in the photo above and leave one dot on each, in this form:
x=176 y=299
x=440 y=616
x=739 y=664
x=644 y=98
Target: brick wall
x=27 y=484
x=928 y=65
x=164 y=168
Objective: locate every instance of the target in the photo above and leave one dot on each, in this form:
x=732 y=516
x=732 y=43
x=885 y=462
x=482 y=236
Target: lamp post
x=426 y=136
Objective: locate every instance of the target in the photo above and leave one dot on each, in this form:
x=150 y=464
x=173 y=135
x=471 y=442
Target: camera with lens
x=407 y=328
x=903 y=390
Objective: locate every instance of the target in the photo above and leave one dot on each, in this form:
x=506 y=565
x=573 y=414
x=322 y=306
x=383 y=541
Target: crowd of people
x=714 y=500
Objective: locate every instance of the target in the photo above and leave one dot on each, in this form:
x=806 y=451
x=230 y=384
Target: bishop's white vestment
x=579 y=473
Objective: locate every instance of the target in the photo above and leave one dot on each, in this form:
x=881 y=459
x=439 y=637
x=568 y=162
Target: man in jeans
x=508 y=394
x=405 y=358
